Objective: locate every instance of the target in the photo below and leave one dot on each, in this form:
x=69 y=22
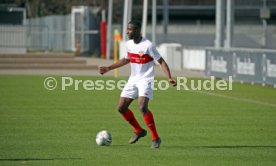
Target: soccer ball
x=103 y=138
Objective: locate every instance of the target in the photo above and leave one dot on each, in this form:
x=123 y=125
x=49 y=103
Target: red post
x=103 y=39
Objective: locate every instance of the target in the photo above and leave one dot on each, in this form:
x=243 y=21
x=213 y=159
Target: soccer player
x=140 y=53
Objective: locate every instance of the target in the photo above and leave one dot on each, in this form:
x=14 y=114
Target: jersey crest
x=141 y=53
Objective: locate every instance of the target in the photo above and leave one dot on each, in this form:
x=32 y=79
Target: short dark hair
x=136 y=24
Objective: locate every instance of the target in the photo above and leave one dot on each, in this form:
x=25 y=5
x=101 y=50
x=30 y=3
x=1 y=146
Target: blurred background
x=218 y=37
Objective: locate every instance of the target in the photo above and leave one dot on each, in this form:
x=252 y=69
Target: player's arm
x=120 y=63
x=166 y=71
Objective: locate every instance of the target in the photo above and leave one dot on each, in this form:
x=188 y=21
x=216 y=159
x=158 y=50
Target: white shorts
x=140 y=88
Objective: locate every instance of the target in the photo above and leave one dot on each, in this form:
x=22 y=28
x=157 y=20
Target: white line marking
x=237 y=98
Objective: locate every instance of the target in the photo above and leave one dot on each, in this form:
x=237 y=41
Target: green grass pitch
x=41 y=127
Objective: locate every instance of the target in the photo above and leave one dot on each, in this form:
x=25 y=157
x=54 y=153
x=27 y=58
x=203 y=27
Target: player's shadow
x=38 y=159
x=127 y=145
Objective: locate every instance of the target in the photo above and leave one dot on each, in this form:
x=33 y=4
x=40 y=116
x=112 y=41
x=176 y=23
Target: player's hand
x=103 y=69
x=173 y=82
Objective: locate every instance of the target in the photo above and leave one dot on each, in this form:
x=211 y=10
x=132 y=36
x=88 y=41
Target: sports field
x=42 y=127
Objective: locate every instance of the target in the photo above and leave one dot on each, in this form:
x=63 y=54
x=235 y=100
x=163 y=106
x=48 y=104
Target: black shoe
x=136 y=137
x=156 y=143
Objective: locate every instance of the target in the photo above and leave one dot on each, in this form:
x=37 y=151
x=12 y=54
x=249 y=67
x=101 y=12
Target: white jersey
x=141 y=56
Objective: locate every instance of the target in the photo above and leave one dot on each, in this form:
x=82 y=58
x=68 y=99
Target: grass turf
x=41 y=127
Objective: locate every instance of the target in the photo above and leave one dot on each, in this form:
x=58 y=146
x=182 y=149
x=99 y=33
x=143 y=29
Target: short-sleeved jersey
x=141 y=56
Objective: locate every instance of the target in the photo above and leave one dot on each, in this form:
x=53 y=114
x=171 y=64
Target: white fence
x=51 y=33
x=13 y=39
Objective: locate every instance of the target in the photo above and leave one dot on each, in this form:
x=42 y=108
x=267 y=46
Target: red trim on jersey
x=136 y=58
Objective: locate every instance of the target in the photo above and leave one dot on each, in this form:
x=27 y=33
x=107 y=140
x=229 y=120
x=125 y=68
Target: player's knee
x=143 y=108
x=122 y=109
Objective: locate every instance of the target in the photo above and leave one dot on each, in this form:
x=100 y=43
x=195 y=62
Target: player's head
x=133 y=29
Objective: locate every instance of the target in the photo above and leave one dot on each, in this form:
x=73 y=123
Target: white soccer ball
x=103 y=138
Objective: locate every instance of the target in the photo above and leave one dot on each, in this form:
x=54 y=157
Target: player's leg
x=129 y=117
x=148 y=117
x=123 y=104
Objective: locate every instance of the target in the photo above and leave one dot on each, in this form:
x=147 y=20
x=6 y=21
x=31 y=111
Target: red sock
x=148 y=117
x=129 y=117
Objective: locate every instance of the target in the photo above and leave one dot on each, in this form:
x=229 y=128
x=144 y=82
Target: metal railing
x=29 y=37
